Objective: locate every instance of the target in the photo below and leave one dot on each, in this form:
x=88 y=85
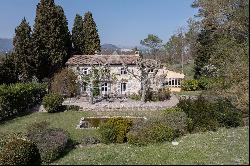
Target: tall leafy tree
x=224 y=47
x=153 y=42
x=78 y=35
x=174 y=49
x=91 y=39
x=23 y=51
x=51 y=38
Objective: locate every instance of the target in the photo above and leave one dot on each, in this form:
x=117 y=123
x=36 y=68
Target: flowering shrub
x=51 y=142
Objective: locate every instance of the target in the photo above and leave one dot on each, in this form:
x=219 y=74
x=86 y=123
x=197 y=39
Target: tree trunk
x=91 y=98
x=144 y=91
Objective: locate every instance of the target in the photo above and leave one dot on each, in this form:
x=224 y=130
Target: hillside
x=5 y=45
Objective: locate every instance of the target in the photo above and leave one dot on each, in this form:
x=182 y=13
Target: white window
x=123 y=71
x=105 y=88
x=173 y=82
x=179 y=82
x=123 y=88
x=151 y=70
x=84 y=87
x=85 y=71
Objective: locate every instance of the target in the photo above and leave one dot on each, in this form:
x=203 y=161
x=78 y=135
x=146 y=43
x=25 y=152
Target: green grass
x=65 y=120
x=226 y=146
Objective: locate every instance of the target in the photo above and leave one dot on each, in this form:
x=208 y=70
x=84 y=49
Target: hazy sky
x=120 y=22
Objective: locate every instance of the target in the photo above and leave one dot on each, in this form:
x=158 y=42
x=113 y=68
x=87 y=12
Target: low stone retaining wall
x=94 y=122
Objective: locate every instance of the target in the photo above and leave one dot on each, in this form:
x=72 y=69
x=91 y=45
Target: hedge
x=18 y=98
x=115 y=130
x=53 y=102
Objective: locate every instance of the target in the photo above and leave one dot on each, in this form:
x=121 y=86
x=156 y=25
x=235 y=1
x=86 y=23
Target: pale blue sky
x=120 y=22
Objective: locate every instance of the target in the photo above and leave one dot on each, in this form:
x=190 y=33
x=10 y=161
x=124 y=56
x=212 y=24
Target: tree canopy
x=91 y=39
x=23 y=57
x=78 y=35
x=51 y=38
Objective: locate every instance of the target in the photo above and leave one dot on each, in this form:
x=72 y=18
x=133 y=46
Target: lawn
x=65 y=120
x=226 y=146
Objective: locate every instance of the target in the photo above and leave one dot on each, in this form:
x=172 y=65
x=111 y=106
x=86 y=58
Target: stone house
x=122 y=82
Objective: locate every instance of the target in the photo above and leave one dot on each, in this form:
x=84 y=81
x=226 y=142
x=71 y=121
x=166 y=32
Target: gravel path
x=126 y=105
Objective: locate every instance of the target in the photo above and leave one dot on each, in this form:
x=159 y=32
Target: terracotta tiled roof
x=102 y=59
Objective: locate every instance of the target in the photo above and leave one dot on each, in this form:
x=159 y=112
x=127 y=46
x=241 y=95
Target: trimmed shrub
x=135 y=96
x=161 y=95
x=150 y=132
x=53 y=102
x=201 y=112
x=72 y=108
x=228 y=114
x=114 y=130
x=16 y=99
x=164 y=94
x=64 y=83
x=159 y=132
x=209 y=115
x=51 y=142
x=137 y=138
x=20 y=152
x=190 y=85
x=177 y=119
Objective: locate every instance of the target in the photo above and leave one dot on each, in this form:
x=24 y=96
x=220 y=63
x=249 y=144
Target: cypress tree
x=206 y=40
x=91 y=39
x=78 y=35
x=22 y=52
x=8 y=74
x=51 y=38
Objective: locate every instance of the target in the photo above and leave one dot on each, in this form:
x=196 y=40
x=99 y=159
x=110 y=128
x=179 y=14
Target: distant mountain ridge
x=110 y=46
x=6 y=45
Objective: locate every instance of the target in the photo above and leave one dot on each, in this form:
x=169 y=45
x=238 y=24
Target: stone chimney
x=137 y=53
x=96 y=52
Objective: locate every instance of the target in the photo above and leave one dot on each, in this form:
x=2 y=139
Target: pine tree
x=23 y=52
x=92 y=41
x=78 y=35
x=51 y=38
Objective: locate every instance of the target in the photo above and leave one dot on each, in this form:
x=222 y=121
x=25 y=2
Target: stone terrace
x=125 y=105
